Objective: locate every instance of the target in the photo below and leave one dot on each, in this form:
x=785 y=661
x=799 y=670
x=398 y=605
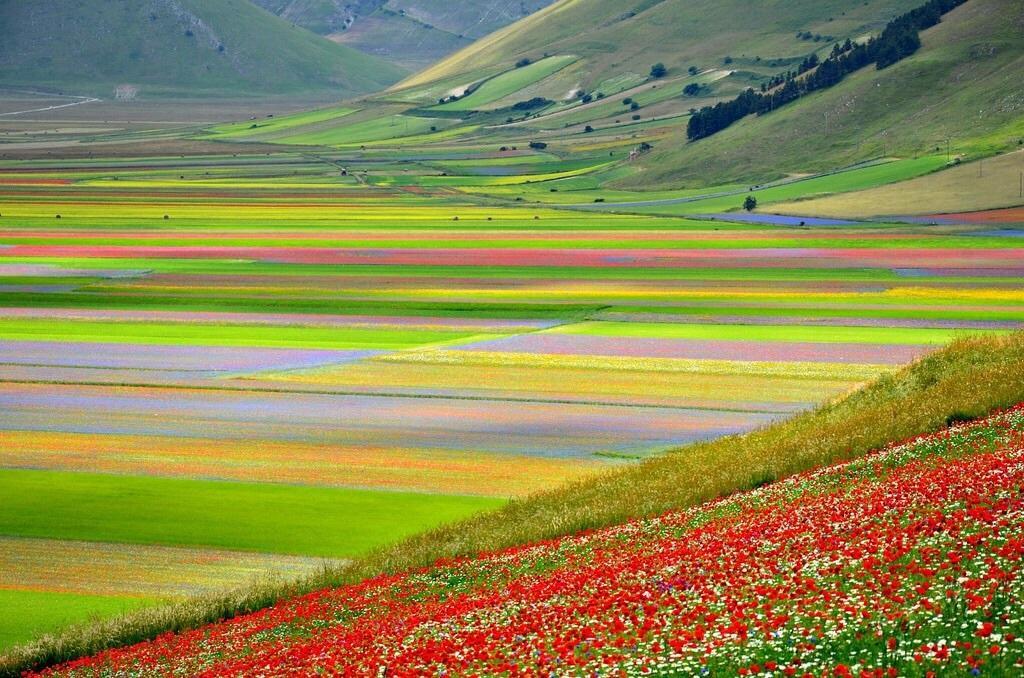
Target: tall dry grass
x=968 y=379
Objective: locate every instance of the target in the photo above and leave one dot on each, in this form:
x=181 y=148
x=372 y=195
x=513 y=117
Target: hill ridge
x=182 y=47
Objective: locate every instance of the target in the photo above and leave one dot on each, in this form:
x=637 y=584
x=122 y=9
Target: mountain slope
x=180 y=47
x=962 y=86
x=616 y=37
x=411 y=33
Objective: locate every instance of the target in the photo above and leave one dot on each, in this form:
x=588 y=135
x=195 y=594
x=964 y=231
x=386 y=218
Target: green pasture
x=374 y=129
x=262 y=126
x=507 y=83
x=264 y=517
x=855 y=179
x=612 y=107
x=196 y=334
x=30 y=614
x=480 y=180
x=774 y=333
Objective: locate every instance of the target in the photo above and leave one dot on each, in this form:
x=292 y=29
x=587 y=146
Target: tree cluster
x=529 y=105
x=898 y=40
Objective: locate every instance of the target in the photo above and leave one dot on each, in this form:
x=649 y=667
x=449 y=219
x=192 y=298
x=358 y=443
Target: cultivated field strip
x=374 y=354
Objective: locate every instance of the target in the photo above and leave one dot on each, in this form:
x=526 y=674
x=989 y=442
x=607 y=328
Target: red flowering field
x=906 y=562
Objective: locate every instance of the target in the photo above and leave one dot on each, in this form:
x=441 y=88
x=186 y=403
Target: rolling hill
x=410 y=33
x=176 y=47
x=965 y=70
x=615 y=38
x=959 y=92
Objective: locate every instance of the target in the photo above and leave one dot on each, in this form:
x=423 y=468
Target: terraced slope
x=186 y=48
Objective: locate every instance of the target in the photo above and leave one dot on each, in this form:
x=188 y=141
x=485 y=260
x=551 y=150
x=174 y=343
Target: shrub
x=531 y=104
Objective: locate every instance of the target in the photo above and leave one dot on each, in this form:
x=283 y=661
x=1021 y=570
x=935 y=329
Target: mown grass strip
x=227 y=335
x=263 y=517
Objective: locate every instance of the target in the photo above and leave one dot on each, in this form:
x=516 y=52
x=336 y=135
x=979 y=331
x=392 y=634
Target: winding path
x=78 y=102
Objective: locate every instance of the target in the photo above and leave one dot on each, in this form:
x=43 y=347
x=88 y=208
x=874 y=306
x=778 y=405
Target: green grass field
x=333 y=523
x=226 y=335
x=984 y=184
x=244 y=130
x=503 y=85
x=31 y=614
x=844 y=181
x=368 y=131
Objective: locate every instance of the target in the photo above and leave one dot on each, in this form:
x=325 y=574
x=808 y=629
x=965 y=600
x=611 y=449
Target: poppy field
x=903 y=562
x=383 y=341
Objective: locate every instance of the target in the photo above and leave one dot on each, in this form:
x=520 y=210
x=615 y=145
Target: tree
x=523 y=62
x=750 y=204
x=658 y=70
x=693 y=70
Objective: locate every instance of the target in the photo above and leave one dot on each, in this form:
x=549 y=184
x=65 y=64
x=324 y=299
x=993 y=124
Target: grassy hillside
x=179 y=47
x=966 y=380
x=617 y=38
x=411 y=33
x=908 y=556
x=962 y=87
x=985 y=184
